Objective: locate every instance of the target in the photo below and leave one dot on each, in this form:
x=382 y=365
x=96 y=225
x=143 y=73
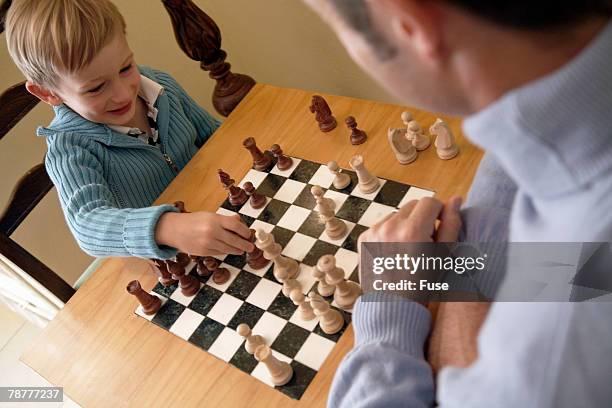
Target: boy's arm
x=99 y=226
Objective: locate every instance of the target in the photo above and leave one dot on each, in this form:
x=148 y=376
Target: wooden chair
x=199 y=37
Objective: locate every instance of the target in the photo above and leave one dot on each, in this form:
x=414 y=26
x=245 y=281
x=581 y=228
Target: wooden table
x=105 y=355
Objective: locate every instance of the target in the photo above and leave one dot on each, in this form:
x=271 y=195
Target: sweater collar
x=68 y=121
x=554 y=134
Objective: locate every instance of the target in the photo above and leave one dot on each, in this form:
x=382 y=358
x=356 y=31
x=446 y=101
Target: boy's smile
x=105 y=91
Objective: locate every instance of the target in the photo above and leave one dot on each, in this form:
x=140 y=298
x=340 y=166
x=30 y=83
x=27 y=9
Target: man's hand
x=203 y=233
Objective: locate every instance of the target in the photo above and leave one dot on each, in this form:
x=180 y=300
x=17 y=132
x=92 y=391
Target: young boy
x=121 y=133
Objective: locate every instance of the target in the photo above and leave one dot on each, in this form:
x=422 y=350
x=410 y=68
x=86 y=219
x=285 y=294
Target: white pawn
x=346 y=292
x=407 y=118
x=331 y=321
x=415 y=133
x=341 y=180
x=446 y=146
x=272 y=251
x=317 y=192
x=304 y=308
x=289 y=284
x=280 y=371
x=403 y=149
x=252 y=341
x=334 y=227
x=324 y=288
x=367 y=182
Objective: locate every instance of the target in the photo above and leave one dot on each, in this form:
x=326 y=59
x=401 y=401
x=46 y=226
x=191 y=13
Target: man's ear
x=44 y=94
x=419 y=24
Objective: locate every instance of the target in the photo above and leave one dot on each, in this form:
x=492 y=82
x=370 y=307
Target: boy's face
x=104 y=91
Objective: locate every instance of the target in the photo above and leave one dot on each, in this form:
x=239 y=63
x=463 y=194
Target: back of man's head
x=47 y=38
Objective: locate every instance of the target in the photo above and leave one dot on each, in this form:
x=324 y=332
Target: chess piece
x=324 y=288
x=225 y=179
x=183 y=259
x=261 y=161
x=367 y=182
x=219 y=275
x=330 y=320
x=289 y=284
x=272 y=251
x=406 y=118
x=237 y=195
x=419 y=140
x=282 y=162
x=280 y=371
x=150 y=303
x=255 y=259
x=346 y=292
x=405 y=152
x=334 y=227
x=357 y=136
x=252 y=341
x=446 y=146
x=189 y=284
x=256 y=200
x=341 y=180
x=165 y=277
x=317 y=192
x=304 y=308
x=181 y=206
x=323 y=114
x=201 y=268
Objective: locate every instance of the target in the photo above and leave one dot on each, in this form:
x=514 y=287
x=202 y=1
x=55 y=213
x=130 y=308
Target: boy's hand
x=203 y=233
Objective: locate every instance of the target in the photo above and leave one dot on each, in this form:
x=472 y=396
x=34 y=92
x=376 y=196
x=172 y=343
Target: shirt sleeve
x=99 y=226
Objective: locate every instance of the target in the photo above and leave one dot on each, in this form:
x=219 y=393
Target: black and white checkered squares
x=209 y=319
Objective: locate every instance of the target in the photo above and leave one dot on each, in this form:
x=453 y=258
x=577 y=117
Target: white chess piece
x=346 y=292
x=446 y=146
x=331 y=321
x=280 y=371
x=289 y=284
x=403 y=149
x=334 y=227
x=419 y=140
x=317 y=192
x=252 y=341
x=272 y=251
x=304 y=308
x=367 y=182
x=324 y=288
x=406 y=118
x=341 y=180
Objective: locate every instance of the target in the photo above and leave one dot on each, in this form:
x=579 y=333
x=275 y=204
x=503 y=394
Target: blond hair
x=48 y=38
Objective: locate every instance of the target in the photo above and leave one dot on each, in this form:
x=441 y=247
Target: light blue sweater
x=547 y=176
x=107 y=181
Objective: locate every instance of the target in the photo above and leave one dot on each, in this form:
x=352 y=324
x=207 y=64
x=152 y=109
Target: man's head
x=457 y=56
x=75 y=52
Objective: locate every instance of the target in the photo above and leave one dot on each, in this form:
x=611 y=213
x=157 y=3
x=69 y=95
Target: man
x=534 y=79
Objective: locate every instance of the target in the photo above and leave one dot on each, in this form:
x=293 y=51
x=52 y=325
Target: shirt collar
x=554 y=134
x=149 y=92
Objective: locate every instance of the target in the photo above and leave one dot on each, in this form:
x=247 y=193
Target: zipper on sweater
x=168 y=160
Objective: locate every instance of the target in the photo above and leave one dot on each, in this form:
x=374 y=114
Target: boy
x=121 y=133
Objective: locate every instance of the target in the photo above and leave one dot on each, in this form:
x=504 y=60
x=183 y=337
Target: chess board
x=209 y=319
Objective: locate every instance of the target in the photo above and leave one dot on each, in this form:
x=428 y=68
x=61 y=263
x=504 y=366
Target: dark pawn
x=261 y=162
x=150 y=303
x=201 y=268
x=183 y=259
x=237 y=196
x=165 y=277
x=282 y=162
x=257 y=200
x=256 y=259
x=211 y=263
x=323 y=114
x=357 y=136
x=175 y=269
x=220 y=275
x=189 y=284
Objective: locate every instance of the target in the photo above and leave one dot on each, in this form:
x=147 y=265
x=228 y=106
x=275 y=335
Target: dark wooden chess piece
x=257 y=200
x=220 y=275
x=237 y=195
x=189 y=284
x=181 y=206
x=323 y=114
x=261 y=161
x=225 y=179
x=255 y=259
x=282 y=162
x=165 y=277
x=183 y=259
x=150 y=303
x=201 y=268
x=357 y=136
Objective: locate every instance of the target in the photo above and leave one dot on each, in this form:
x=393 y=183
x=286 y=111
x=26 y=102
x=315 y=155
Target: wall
x=280 y=42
